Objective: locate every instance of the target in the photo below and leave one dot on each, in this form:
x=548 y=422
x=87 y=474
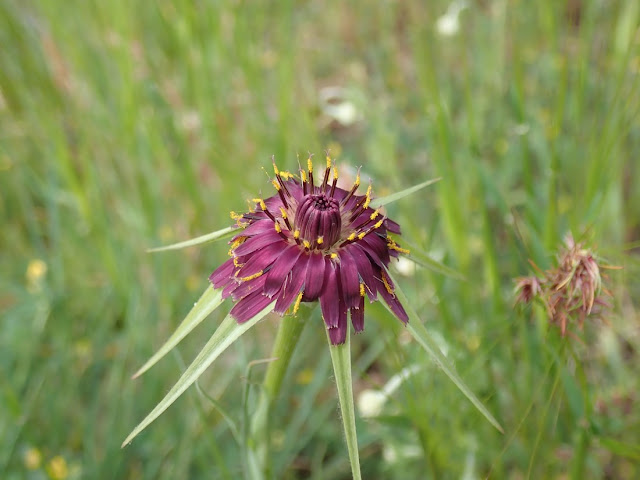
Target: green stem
x=286 y=340
x=341 y=359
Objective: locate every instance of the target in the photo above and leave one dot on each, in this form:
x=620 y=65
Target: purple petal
x=314 y=277
x=260 y=260
x=293 y=286
x=329 y=299
x=392 y=226
x=255 y=243
x=280 y=269
x=222 y=275
x=376 y=247
x=256 y=228
x=391 y=299
x=357 y=316
x=349 y=279
x=366 y=269
x=245 y=288
x=249 y=306
x=338 y=334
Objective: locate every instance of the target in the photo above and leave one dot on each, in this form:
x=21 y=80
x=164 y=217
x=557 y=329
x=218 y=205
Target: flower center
x=318 y=220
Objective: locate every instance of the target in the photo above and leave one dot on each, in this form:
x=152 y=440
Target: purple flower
x=311 y=242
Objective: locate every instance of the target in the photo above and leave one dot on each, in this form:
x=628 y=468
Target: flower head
x=571 y=290
x=311 y=241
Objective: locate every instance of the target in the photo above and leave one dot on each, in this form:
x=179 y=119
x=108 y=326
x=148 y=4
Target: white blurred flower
x=370 y=401
x=405 y=267
x=336 y=105
x=449 y=24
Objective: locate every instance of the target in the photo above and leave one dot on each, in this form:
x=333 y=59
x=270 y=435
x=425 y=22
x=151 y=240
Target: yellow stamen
x=335 y=173
x=286 y=175
x=320 y=240
x=368 y=199
x=296 y=305
x=303 y=176
x=236 y=263
x=328 y=161
x=374 y=214
x=296 y=234
x=263 y=205
x=361 y=235
x=234 y=215
x=386 y=284
x=357 y=182
x=394 y=246
x=352 y=236
x=283 y=213
x=362 y=289
x=306 y=244
x=275 y=169
x=379 y=223
x=251 y=277
x=278 y=227
x=334 y=255
x=309 y=165
x=276 y=184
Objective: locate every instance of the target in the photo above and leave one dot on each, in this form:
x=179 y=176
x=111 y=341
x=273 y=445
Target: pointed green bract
x=208 y=302
x=422 y=336
x=209 y=237
x=381 y=201
x=227 y=333
x=424 y=260
x=341 y=359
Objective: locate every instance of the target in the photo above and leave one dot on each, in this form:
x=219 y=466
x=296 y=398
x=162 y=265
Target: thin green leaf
x=209 y=237
x=424 y=260
x=227 y=333
x=341 y=358
x=208 y=302
x=379 y=202
x=423 y=337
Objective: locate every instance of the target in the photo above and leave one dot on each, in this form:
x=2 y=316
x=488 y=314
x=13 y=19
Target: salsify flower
x=311 y=241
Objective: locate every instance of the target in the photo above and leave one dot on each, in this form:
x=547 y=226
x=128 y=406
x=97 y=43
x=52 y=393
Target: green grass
x=125 y=126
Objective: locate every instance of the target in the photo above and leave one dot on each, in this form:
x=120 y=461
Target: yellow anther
x=278 y=227
x=286 y=175
x=275 y=169
x=306 y=244
x=374 y=214
x=320 y=240
x=362 y=289
x=234 y=215
x=236 y=263
x=263 y=205
x=394 y=246
x=276 y=184
x=334 y=255
x=361 y=235
x=251 y=277
x=335 y=173
x=379 y=223
x=368 y=199
x=357 y=182
x=296 y=305
x=309 y=165
x=296 y=234
x=283 y=213
x=328 y=161
x=303 y=176
x=386 y=284
x=352 y=236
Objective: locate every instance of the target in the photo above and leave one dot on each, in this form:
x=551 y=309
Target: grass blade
x=341 y=359
x=227 y=333
x=209 y=237
x=424 y=260
x=379 y=202
x=422 y=336
x=208 y=302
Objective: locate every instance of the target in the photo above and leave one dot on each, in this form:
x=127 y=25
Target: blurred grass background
x=125 y=125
